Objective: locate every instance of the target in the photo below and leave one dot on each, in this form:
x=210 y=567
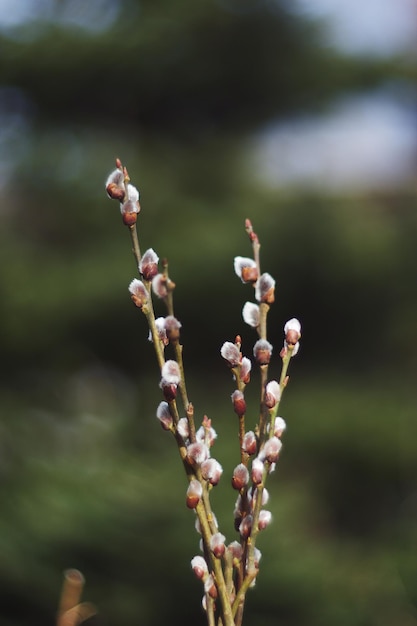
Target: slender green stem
x=135 y=243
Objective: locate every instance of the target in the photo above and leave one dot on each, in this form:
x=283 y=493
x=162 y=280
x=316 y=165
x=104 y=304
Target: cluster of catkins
x=227 y=570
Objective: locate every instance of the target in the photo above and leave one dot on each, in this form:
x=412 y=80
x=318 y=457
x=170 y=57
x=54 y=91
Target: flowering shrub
x=227 y=570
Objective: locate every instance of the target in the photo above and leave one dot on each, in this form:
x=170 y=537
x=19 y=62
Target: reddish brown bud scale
x=118 y=163
x=129 y=219
x=170 y=392
x=137 y=301
x=115 y=192
x=250 y=274
x=292 y=337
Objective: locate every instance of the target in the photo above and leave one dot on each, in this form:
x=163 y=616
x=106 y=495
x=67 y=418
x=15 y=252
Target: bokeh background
x=300 y=115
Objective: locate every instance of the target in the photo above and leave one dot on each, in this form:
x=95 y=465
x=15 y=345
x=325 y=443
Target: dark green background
x=88 y=478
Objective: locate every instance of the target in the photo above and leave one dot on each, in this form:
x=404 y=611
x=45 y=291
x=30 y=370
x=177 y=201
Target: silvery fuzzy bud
x=245 y=526
x=197 y=453
x=210 y=587
x=240 y=477
x=250 y=314
x=257 y=471
x=211 y=470
x=194 y=493
x=217 y=544
x=246 y=269
x=271 y=450
x=265 y=289
x=272 y=394
x=249 y=444
x=239 y=403
x=231 y=353
x=279 y=426
x=262 y=351
x=139 y=294
x=265 y=518
x=164 y=416
x=148 y=265
x=199 y=566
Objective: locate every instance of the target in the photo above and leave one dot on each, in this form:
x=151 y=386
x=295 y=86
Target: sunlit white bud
x=197 y=525
x=183 y=428
x=240 y=477
x=257 y=471
x=249 y=443
x=262 y=351
x=211 y=470
x=148 y=265
x=239 y=403
x=272 y=468
x=217 y=544
x=279 y=426
x=199 y=566
x=271 y=450
x=236 y=549
x=160 y=329
x=194 y=493
x=250 y=314
x=246 y=269
x=115 y=185
x=245 y=368
x=159 y=286
x=293 y=324
x=204 y=603
x=210 y=586
x=245 y=526
x=265 y=518
x=265 y=289
x=132 y=193
x=163 y=414
x=116 y=177
x=231 y=353
x=170 y=373
x=138 y=291
x=272 y=394
x=197 y=452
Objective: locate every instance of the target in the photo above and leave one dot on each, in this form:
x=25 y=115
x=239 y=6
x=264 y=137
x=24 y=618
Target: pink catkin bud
x=217 y=544
x=265 y=518
x=272 y=449
x=262 y=351
x=246 y=269
x=164 y=416
x=239 y=403
x=257 y=471
x=249 y=444
x=279 y=426
x=265 y=289
x=199 y=567
x=272 y=394
x=194 y=493
x=240 y=477
x=231 y=353
x=210 y=587
x=211 y=470
x=148 y=265
x=245 y=368
x=138 y=293
x=197 y=453
x=236 y=549
x=245 y=526
x=172 y=327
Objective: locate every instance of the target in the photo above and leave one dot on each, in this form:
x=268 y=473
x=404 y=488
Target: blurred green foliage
x=88 y=478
